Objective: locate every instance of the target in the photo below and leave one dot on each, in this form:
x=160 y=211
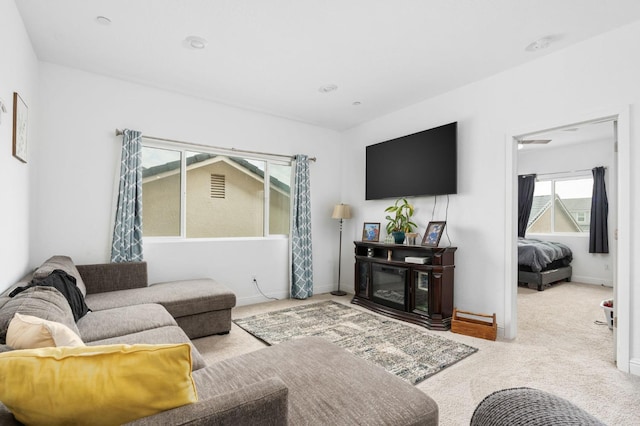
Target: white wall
x=590 y=268
x=593 y=75
x=18 y=73
x=77 y=161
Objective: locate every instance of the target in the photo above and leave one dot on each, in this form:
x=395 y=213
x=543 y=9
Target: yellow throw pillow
x=97 y=385
x=29 y=332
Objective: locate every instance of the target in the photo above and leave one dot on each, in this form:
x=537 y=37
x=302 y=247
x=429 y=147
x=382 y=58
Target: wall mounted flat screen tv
x=424 y=163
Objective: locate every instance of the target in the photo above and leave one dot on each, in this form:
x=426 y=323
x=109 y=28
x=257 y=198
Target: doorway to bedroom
x=562 y=160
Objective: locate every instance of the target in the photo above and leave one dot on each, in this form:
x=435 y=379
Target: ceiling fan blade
x=535 y=141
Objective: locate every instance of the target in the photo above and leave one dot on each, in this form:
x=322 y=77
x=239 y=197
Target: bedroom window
x=561 y=205
x=199 y=194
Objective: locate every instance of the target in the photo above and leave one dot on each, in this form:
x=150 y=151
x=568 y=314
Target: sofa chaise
x=305 y=381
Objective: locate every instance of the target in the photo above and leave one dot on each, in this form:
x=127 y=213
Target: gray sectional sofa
x=305 y=381
x=125 y=308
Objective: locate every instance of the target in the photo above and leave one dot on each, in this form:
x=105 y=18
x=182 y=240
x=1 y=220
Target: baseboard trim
x=258 y=298
x=591 y=280
x=634 y=366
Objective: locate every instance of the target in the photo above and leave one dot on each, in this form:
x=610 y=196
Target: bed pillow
x=64 y=263
x=42 y=302
x=98 y=385
x=29 y=332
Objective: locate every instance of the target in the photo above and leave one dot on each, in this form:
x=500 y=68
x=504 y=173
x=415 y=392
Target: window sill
x=163 y=240
x=559 y=234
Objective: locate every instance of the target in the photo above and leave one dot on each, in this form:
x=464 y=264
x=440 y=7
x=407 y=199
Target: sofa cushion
x=104 y=277
x=261 y=403
x=65 y=284
x=102 y=385
x=346 y=389
x=180 y=298
x=29 y=332
x=100 y=325
x=64 y=263
x=23 y=282
x=42 y=302
x=161 y=335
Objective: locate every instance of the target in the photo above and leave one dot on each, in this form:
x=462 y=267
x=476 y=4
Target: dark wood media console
x=418 y=293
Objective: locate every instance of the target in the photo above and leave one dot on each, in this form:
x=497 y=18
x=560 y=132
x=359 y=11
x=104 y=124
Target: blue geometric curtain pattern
x=127 y=232
x=301 y=258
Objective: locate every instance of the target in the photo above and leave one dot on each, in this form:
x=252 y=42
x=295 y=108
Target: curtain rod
x=564 y=173
x=241 y=151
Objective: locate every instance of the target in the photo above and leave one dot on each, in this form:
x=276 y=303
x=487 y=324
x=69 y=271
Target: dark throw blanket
x=65 y=284
x=538 y=254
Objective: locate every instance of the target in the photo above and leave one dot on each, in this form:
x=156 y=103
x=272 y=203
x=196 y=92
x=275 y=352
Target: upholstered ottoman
x=531 y=407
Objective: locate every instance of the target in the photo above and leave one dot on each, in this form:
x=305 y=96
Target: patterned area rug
x=405 y=351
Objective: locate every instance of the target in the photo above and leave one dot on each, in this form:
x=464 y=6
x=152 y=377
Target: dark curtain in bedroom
x=598 y=234
x=526 y=185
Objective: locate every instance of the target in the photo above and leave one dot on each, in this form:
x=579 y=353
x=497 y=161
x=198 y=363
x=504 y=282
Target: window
x=211 y=195
x=161 y=182
x=280 y=194
x=561 y=205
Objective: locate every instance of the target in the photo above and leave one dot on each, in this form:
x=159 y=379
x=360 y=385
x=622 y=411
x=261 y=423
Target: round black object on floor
x=531 y=407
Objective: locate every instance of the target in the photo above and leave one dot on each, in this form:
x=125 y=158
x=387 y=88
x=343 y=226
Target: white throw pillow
x=29 y=332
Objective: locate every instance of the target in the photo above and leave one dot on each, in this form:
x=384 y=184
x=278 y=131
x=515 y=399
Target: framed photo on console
x=371 y=232
x=433 y=233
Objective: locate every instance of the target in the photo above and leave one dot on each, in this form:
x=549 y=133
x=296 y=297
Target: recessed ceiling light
x=328 y=88
x=103 y=20
x=195 y=42
x=356 y=103
x=542 y=43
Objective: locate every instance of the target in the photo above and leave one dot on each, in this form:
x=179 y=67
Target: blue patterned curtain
x=127 y=232
x=301 y=257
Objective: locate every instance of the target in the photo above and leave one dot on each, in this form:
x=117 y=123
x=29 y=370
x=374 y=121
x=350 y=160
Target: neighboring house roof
x=539 y=205
x=542 y=203
x=578 y=204
x=203 y=158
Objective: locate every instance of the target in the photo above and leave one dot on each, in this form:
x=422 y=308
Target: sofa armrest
x=261 y=403
x=103 y=277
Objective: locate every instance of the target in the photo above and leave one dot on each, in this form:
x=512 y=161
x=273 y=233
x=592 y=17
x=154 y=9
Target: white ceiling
x=274 y=55
x=597 y=131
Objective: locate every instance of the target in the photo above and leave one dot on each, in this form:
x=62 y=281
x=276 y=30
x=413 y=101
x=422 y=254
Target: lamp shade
x=341 y=211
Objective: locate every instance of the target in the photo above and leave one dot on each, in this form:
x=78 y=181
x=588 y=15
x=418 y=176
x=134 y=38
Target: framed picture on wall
x=20 y=114
x=433 y=233
x=371 y=231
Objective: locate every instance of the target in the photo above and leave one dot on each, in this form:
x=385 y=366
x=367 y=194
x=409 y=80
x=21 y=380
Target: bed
x=541 y=263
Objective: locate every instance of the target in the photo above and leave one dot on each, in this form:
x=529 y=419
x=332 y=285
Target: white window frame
x=553 y=178
x=183 y=148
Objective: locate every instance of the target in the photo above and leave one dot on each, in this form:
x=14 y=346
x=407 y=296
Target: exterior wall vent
x=217 y=186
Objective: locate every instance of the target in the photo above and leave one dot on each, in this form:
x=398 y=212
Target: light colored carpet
x=559 y=349
x=407 y=352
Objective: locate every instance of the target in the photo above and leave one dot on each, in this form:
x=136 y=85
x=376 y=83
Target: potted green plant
x=399 y=221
